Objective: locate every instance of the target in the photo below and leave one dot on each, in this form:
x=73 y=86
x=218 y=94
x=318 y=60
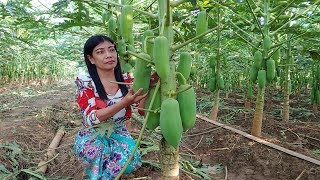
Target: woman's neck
x=106 y=76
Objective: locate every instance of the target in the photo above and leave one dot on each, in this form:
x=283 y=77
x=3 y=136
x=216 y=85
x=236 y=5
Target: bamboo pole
x=262 y=141
x=43 y=165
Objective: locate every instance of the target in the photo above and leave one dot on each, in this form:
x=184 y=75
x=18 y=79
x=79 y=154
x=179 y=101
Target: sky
x=42 y=3
x=38 y=3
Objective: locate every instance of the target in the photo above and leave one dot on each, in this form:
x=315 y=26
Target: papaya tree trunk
x=315 y=107
x=258 y=113
x=169 y=159
x=247 y=103
x=169 y=156
x=215 y=108
x=286 y=85
x=286 y=104
x=259 y=105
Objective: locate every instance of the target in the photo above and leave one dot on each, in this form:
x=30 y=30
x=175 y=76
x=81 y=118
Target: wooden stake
x=51 y=151
x=226 y=176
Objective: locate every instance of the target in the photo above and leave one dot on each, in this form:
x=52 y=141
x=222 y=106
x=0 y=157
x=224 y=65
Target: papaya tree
x=173 y=99
x=315 y=81
x=29 y=51
x=216 y=82
x=281 y=26
x=170 y=105
x=263 y=69
x=287 y=81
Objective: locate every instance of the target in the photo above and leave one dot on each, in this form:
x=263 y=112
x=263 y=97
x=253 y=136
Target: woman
x=103 y=101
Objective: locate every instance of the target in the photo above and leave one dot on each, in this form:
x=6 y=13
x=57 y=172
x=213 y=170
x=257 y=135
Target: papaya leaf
x=147 y=147
x=104 y=128
x=193 y=2
x=4 y=169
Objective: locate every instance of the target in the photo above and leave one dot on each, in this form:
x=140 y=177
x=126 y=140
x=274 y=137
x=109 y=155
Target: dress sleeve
x=127 y=77
x=88 y=101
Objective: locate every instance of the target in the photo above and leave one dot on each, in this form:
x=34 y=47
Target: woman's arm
x=107 y=112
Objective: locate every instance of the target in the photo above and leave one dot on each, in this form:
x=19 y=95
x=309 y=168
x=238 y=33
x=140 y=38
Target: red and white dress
x=102 y=156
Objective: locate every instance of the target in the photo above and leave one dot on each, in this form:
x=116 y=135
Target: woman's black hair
x=90 y=44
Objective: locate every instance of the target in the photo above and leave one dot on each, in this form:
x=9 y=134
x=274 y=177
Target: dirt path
x=30 y=116
x=21 y=106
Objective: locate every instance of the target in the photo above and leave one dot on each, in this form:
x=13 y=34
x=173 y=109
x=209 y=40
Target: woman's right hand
x=132 y=97
x=109 y=111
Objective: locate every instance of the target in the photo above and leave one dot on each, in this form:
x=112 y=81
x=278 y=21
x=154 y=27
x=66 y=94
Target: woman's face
x=104 y=56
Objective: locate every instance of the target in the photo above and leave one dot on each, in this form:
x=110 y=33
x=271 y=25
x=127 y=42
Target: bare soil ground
x=31 y=115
